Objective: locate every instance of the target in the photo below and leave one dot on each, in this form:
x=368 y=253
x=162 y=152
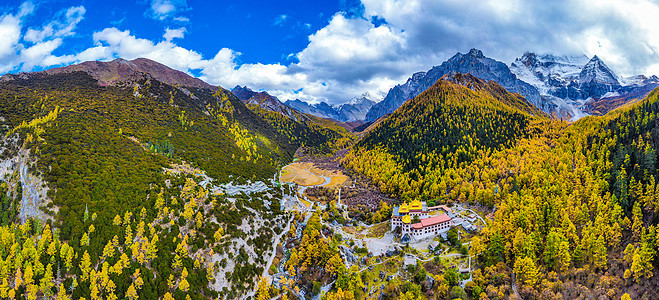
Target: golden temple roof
x=407 y=219
x=416 y=205
x=403 y=209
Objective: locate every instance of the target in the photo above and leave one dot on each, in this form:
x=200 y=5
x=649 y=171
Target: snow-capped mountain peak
x=473 y=62
x=359 y=99
x=597 y=71
x=546 y=65
x=579 y=85
x=476 y=53
x=353 y=110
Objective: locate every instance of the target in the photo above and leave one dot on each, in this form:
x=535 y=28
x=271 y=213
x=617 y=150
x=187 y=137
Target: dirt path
x=271 y=259
x=515 y=285
x=274 y=247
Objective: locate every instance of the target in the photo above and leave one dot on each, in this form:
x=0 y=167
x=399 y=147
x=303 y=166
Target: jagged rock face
x=34 y=190
x=547 y=68
x=596 y=80
x=243 y=93
x=474 y=63
x=355 y=109
x=577 y=86
x=263 y=100
x=596 y=71
x=351 y=111
x=322 y=110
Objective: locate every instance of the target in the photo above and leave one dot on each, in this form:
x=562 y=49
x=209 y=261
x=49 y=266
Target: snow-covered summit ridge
x=365 y=97
x=597 y=71
x=578 y=85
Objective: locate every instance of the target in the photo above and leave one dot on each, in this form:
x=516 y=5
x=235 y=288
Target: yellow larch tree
x=85 y=265
x=61 y=294
x=117 y=220
x=184 y=285
x=263 y=289
x=131 y=293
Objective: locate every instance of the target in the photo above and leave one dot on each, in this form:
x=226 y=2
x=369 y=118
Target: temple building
x=428 y=226
x=416 y=208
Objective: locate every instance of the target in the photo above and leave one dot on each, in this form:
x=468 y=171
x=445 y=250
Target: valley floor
x=370 y=251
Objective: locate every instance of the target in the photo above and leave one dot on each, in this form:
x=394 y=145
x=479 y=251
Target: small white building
x=472 y=218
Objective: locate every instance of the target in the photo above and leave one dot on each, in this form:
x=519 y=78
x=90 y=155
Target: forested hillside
x=574 y=204
x=134 y=209
x=95 y=144
x=315 y=135
x=447 y=126
x=126 y=214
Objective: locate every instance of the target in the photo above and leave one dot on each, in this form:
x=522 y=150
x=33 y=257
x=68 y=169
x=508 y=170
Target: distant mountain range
x=474 y=63
x=263 y=100
x=351 y=111
x=578 y=85
x=566 y=87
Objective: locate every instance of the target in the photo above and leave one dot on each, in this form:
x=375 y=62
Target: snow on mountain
x=358 y=100
x=353 y=110
x=474 y=63
x=579 y=86
x=356 y=108
x=639 y=80
x=541 y=70
x=322 y=109
x=596 y=71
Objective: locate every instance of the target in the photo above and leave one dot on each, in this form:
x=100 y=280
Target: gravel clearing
x=34 y=188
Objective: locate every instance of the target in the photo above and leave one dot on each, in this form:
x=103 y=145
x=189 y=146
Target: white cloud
x=351 y=55
x=223 y=70
x=63 y=25
x=628 y=31
x=41 y=55
x=280 y=20
x=14 y=54
x=346 y=58
x=351 y=49
x=94 y=53
x=174 y=33
x=10 y=30
x=163 y=9
x=112 y=43
x=26 y=8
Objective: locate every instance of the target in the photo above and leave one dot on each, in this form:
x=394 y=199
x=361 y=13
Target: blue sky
x=263 y=31
x=322 y=50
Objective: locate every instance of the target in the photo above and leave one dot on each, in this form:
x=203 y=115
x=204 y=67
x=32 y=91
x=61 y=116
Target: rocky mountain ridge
x=580 y=86
x=121 y=71
x=263 y=100
x=353 y=110
x=473 y=62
